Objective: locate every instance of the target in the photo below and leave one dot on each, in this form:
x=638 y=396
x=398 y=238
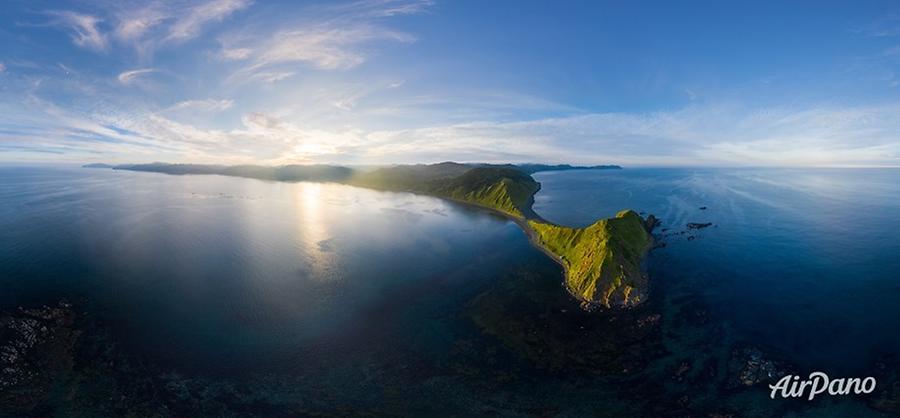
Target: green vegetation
x=501 y=188
x=504 y=189
x=602 y=262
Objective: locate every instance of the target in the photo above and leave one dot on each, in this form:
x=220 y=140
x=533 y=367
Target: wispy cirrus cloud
x=382 y=8
x=133 y=24
x=83 y=28
x=325 y=48
x=128 y=77
x=207 y=105
x=145 y=27
x=271 y=76
x=190 y=24
x=334 y=40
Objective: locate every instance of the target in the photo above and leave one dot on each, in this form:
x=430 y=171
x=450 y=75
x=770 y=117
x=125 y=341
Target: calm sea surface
x=223 y=273
x=806 y=261
x=365 y=296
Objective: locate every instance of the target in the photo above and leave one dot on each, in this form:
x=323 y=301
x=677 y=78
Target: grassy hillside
x=409 y=178
x=505 y=189
x=603 y=260
x=502 y=188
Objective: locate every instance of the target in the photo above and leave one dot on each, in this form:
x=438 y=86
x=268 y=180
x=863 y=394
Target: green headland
x=602 y=263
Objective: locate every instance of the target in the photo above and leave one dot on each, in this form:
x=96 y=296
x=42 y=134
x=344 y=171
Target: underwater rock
x=681 y=371
x=35 y=348
x=749 y=366
x=888 y=400
x=698 y=225
x=651 y=222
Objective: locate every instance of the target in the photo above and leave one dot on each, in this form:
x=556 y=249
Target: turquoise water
x=238 y=296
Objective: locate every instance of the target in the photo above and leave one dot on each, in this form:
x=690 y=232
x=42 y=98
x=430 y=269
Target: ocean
x=231 y=295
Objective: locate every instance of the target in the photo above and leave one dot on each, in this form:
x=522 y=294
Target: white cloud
x=272 y=77
x=189 y=24
x=383 y=8
x=66 y=69
x=236 y=53
x=83 y=29
x=135 y=23
x=128 y=77
x=328 y=48
x=207 y=105
x=2 y=67
x=160 y=22
x=332 y=37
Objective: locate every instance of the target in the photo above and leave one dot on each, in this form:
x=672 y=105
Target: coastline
x=602 y=264
x=533 y=238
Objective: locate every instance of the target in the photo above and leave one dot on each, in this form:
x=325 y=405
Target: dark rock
x=749 y=366
x=691 y=238
x=681 y=371
x=651 y=222
x=35 y=350
x=702 y=207
x=648 y=320
x=698 y=225
x=888 y=400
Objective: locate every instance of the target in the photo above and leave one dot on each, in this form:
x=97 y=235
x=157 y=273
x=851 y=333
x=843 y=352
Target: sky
x=688 y=83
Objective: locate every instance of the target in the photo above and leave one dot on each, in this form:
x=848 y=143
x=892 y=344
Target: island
x=602 y=263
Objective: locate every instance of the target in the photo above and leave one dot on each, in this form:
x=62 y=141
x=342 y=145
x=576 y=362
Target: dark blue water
x=293 y=298
x=806 y=261
x=227 y=274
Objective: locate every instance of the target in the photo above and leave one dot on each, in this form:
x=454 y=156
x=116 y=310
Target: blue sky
x=401 y=81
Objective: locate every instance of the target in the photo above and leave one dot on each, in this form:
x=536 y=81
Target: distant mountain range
x=339 y=174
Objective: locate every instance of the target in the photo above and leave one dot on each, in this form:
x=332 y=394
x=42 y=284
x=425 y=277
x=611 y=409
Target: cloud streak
x=332 y=41
x=129 y=77
x=190 y=24
x=82 y=28
x=208 y=105
x=696 y=135
x=145 y=28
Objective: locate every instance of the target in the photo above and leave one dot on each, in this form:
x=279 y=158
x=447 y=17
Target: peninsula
x=601 y=262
